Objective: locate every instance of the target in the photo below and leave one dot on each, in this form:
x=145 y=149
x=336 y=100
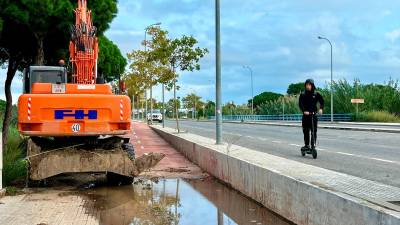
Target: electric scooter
x=313 y=150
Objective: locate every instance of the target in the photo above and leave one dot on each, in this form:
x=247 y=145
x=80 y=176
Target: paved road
x=370 y=155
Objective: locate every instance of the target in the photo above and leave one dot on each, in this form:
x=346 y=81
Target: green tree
x=295 y=89
x=16 y=51
x=263 y=98
x=209 y=108
x=183 y=54
x=163 y=57
x=37 y=31
x=193 y=103
x=229 y=108
x=151 y=64
x=170 y=107
x=111 y=62
x=243 y=110
x=161 y=72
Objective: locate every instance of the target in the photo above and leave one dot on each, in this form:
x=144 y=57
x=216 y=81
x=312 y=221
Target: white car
x=157 y=116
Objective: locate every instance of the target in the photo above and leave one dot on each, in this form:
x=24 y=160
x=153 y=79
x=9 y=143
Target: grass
x=377 y=116
x=14 y=163
x=12 y=191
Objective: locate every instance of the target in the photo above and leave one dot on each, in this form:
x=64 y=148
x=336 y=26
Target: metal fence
x=288 y=117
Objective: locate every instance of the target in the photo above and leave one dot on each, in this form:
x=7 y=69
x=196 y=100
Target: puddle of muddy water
x=175 y=201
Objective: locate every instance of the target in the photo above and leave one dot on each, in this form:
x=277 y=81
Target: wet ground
x=178 y=201
x=158 y=202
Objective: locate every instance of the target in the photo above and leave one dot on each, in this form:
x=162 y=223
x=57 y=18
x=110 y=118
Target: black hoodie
x=309 y=99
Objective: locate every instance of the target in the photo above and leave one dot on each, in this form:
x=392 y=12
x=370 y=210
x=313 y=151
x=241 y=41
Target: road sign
x=357 y=101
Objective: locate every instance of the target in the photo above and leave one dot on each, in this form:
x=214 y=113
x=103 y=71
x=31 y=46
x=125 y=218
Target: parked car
x=157 y=116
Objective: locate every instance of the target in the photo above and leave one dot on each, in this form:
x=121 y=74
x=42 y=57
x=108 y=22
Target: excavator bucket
x=77 y=159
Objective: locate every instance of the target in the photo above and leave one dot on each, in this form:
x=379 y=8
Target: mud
x=174 y=201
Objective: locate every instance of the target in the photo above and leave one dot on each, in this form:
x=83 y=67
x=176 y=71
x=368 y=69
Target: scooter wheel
x=314 y=153
x=303 y=153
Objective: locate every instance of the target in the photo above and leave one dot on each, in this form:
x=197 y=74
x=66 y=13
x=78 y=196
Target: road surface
x=369 y=155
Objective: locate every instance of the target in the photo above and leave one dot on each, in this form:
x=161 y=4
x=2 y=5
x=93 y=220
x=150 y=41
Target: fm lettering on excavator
x=64 y=108
x=77 y=114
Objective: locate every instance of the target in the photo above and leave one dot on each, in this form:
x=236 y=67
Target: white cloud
x=393 y=35
x=323 y=76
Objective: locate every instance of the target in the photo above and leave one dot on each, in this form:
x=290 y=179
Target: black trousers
x=307 y=123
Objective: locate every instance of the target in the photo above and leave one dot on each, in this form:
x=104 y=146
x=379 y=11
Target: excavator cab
x=43 y=74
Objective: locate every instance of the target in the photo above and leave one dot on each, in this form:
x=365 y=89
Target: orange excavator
x=74 y=121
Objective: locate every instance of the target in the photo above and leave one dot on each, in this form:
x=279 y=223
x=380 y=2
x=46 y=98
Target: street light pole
x=151 y=86
x=252 y=89
x=163 y=105
x=323 y=38
x=218 y=74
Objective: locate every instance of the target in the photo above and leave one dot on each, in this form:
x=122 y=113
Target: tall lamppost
x=252 y=90
x=218 y=97
x=151 y=86
x=323 y=38
x=163 y=105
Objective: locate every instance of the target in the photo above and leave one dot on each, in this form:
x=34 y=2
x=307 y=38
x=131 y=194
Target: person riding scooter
x=308 y=104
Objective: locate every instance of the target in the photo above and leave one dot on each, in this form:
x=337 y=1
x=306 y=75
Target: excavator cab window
x=47 y=76
x=43 y=74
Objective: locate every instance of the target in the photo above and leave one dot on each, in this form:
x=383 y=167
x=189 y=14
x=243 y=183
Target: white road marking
x=278 y=142
x=384 y=160
x=344 y=153
x=295 y=145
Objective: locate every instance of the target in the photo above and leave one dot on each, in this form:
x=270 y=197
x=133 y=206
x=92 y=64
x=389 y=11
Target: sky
x=276 y=38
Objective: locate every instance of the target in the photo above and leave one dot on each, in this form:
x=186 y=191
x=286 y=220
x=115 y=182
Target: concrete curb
x=284 y=187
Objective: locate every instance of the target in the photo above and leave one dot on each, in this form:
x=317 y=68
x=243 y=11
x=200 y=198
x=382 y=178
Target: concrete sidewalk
x=173 y=165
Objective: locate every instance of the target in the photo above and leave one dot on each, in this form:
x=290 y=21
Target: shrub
x=378 y=97
x=377 y=116
x=291 y=104
x=14 y=163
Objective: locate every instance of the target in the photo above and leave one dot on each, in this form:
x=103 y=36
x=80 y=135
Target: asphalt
x=370 y=155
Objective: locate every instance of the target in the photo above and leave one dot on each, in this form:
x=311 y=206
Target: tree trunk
x=39 y=60
x=145 y=102
x=151 y=104
x=12 y=68
x=133 y=106
x=176 y=104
